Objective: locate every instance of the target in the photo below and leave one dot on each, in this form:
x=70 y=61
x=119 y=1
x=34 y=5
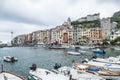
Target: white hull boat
x=44 y=74
x=73 y=53
x=117 y=48
x=112 y=67
x=84 y=47
x=105 y=73
x=10 y=59
x=111 y=60
x=77 y=74
x=81 y=51
x=9 y=76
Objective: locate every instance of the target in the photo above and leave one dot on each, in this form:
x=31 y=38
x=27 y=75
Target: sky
x=26 y=16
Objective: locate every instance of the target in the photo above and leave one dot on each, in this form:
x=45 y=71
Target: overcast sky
x=25 y=16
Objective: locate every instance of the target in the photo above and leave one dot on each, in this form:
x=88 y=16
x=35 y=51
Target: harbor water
x=43 y=58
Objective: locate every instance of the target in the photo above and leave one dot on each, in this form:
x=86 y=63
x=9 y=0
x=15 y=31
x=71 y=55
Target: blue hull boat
x=98 y=51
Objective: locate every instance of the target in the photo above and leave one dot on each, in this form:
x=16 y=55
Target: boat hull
x=9 y=59
x=112 y=67
x=73 y=53
x=98 y=52
x=5 y=75
x=44 y=74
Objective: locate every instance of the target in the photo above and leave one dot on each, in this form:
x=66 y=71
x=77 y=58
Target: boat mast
x=1 y=68
x=11 y=37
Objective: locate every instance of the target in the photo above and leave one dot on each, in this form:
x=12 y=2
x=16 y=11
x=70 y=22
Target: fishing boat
x=109 y=66
x=44 y=74
x=98 y=51
x=10 y=58
x=105 y=73
x=111 y=60
x=5 y=75
x=73 y=53
x=77 y=74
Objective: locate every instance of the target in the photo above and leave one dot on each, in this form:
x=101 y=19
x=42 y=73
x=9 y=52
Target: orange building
x=28 y=38
x=95 y=35
x=64 y=36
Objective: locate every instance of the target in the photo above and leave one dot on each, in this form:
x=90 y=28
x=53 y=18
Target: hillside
x=116 y=18
x=87 y=24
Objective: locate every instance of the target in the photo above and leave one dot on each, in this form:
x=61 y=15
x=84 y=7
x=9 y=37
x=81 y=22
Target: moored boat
x=83 y=52
x=10 y=59
x=44 y=74
x=77 y=74
x=72 y=47
x=109 y=66
x=84 y=47
x=108 y=74
x=117 y=48
x=98 y=51
x=5 y=75
x=9 y=76
x=111 y=60
x=73 y=53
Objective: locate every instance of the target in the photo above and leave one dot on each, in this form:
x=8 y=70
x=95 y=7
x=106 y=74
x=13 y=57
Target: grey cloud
x=21 y=13
x=109 y=1
x=24 y=16
x=18 y=18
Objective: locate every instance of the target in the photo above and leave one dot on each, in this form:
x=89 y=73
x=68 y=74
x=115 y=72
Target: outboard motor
x=12 y=59
x=73 y=61
x=85 y=61
x=104 y=52
x=70 y=78
x=57 y=66
x=94 y=57
x=34 y=67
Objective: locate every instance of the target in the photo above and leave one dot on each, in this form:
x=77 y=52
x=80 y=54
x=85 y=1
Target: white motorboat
x=5 y=75
x=77 y=74
x=71 y=47
x=9 y=76
x=10 y=59
x=117 y=48
x=111 y=60
x=84 y=47
x=109 y=66
x=73 y=53
x=44 y=74
x=107 y=74
x=82 y=51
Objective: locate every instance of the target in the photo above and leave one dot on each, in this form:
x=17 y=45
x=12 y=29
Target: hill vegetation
x=87 y=24
x=116 y=18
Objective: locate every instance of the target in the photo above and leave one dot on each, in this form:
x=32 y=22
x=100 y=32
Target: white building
x=70 y=35
x=115 y=34
x=82 y=19
x=114 y=25
x=93 y=17
x=90 y=18
x=77 y=34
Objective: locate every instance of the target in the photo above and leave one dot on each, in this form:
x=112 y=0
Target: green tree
x=105 y=42
x=115 y=40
